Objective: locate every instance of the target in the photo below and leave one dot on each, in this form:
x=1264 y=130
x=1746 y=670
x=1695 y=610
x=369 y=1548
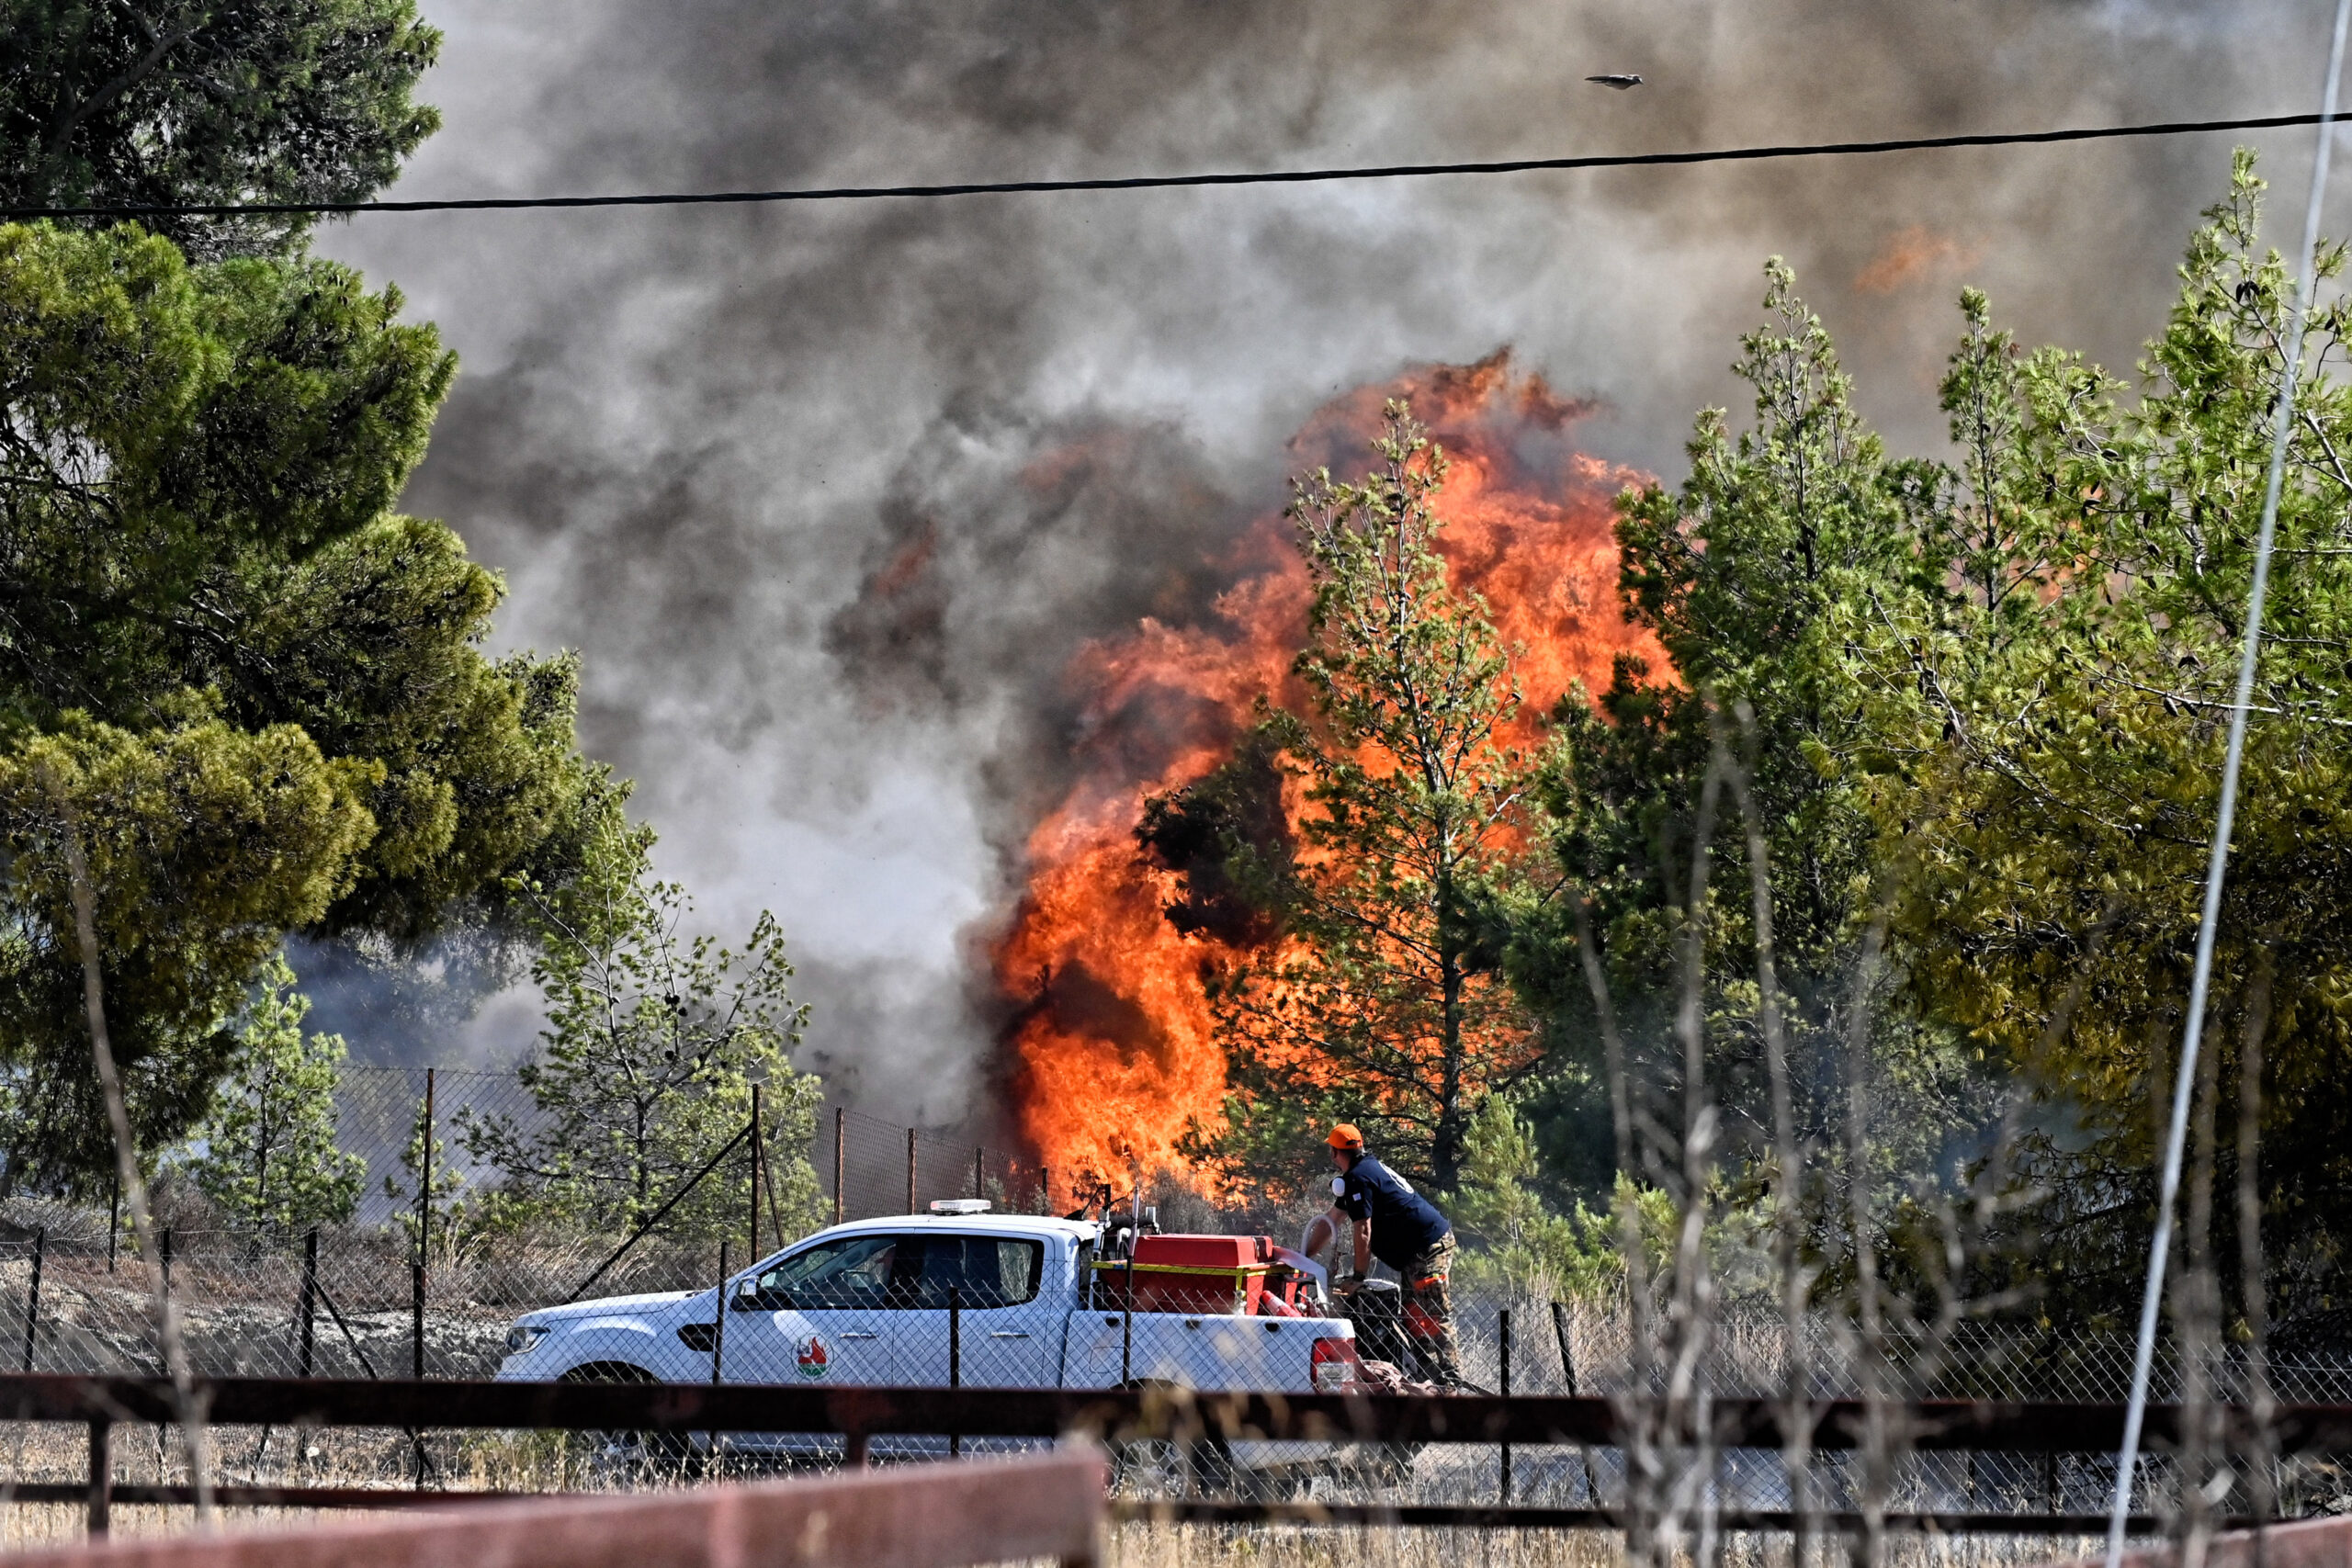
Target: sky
x=828 y=497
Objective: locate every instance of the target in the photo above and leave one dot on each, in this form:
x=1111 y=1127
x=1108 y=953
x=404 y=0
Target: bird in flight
x=1622 y=84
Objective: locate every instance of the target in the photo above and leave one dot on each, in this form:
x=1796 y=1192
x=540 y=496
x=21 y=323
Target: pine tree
x=644 y=1073
x=1515 y=1240
x=267 y=1150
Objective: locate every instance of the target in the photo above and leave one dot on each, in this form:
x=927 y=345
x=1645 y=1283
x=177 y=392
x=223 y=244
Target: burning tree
x=1116 y=1046
x=1380 y=996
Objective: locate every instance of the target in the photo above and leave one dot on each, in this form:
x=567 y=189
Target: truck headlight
x=524 y=1336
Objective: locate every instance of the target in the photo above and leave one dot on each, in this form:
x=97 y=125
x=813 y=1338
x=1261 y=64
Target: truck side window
x=985 y=1271
x=852 y=1272
x=1017 y=1267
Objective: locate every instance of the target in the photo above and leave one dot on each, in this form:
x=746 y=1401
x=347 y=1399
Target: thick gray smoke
x=829 y=495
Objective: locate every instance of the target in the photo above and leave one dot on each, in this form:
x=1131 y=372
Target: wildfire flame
x=1112 y=1040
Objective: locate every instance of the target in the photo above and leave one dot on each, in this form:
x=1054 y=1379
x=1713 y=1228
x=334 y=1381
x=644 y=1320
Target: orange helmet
x=1345 y=1136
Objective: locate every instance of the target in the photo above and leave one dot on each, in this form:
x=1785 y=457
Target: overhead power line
x=1179 y=182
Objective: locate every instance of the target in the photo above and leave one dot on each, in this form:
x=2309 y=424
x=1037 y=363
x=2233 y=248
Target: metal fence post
x=841 y=1165
x=719 y=1325
x=32 y=1296
x=417 y=1320
x=1567 y=1356
x=114 y=1216
x=424 y=1165
x=979 y=1172
x=101 y=1495
x=911 y=1171
x=717 y=1347
x=756 y=1141
x=310 y=1295
x=955 y=1358
x=416 y=1355
x=424 y=1235
x=416 y=1270
x=1503 y=1331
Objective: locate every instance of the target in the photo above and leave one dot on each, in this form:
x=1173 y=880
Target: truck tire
x=629 y=1456
x=1168 y=1467
x=1212 y=1471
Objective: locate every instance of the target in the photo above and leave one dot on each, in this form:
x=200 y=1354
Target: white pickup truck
x=868 y=1305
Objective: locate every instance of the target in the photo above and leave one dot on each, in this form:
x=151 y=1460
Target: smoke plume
x=831 y=496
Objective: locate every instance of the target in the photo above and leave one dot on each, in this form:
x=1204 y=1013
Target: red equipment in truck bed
x=1222 y=1252
x=1211 y=1275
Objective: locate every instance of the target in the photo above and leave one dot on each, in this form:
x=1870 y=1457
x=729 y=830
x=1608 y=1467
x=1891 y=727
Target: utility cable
x=1176 y=182
x=2217 y=864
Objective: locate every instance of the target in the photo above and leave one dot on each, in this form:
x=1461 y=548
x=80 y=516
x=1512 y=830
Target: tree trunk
x=1445 y=1154
x=643 y=1174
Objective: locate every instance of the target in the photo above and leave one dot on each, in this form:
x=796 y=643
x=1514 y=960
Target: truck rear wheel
x=1155 y=1468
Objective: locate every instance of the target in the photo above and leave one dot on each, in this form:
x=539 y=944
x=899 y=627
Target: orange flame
x=1113 y=1042
x=1911 y=255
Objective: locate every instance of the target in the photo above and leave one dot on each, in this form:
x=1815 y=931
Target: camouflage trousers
x=1428 y=1309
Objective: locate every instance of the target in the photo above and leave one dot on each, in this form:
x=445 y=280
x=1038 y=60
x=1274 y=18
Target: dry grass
x=1224 y=1546
x=24 y=1525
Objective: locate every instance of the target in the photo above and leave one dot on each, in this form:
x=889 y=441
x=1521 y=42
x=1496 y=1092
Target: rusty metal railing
x=1117 y=1417
x=1048 y=1505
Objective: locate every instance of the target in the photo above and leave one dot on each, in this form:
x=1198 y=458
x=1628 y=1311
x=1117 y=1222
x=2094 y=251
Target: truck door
x=817 y=1316
x=1011 y=1323
x=1008 y=1323
x=872 y=1311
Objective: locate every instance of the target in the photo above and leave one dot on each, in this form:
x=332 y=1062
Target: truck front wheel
x=629 y=1457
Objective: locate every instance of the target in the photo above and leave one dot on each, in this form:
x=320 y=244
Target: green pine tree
x=644 y=1074
x=256 y=699
x=1514 y=1240
x=2052 y=717
x=157 y=101
x=267 y=1154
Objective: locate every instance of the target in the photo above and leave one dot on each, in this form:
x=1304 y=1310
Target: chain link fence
x=355 y=1303
x=350 y=1306
x=358 y=1301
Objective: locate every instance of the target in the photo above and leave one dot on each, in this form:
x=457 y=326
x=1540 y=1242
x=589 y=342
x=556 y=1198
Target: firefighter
x=1401 y=1228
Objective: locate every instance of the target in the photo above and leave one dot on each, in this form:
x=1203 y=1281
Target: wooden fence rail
x=933 y=1516
x=2301 y=1543
x=1111 y=1416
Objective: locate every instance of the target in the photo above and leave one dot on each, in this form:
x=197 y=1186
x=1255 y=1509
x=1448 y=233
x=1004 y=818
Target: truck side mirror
x=747 y=1296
